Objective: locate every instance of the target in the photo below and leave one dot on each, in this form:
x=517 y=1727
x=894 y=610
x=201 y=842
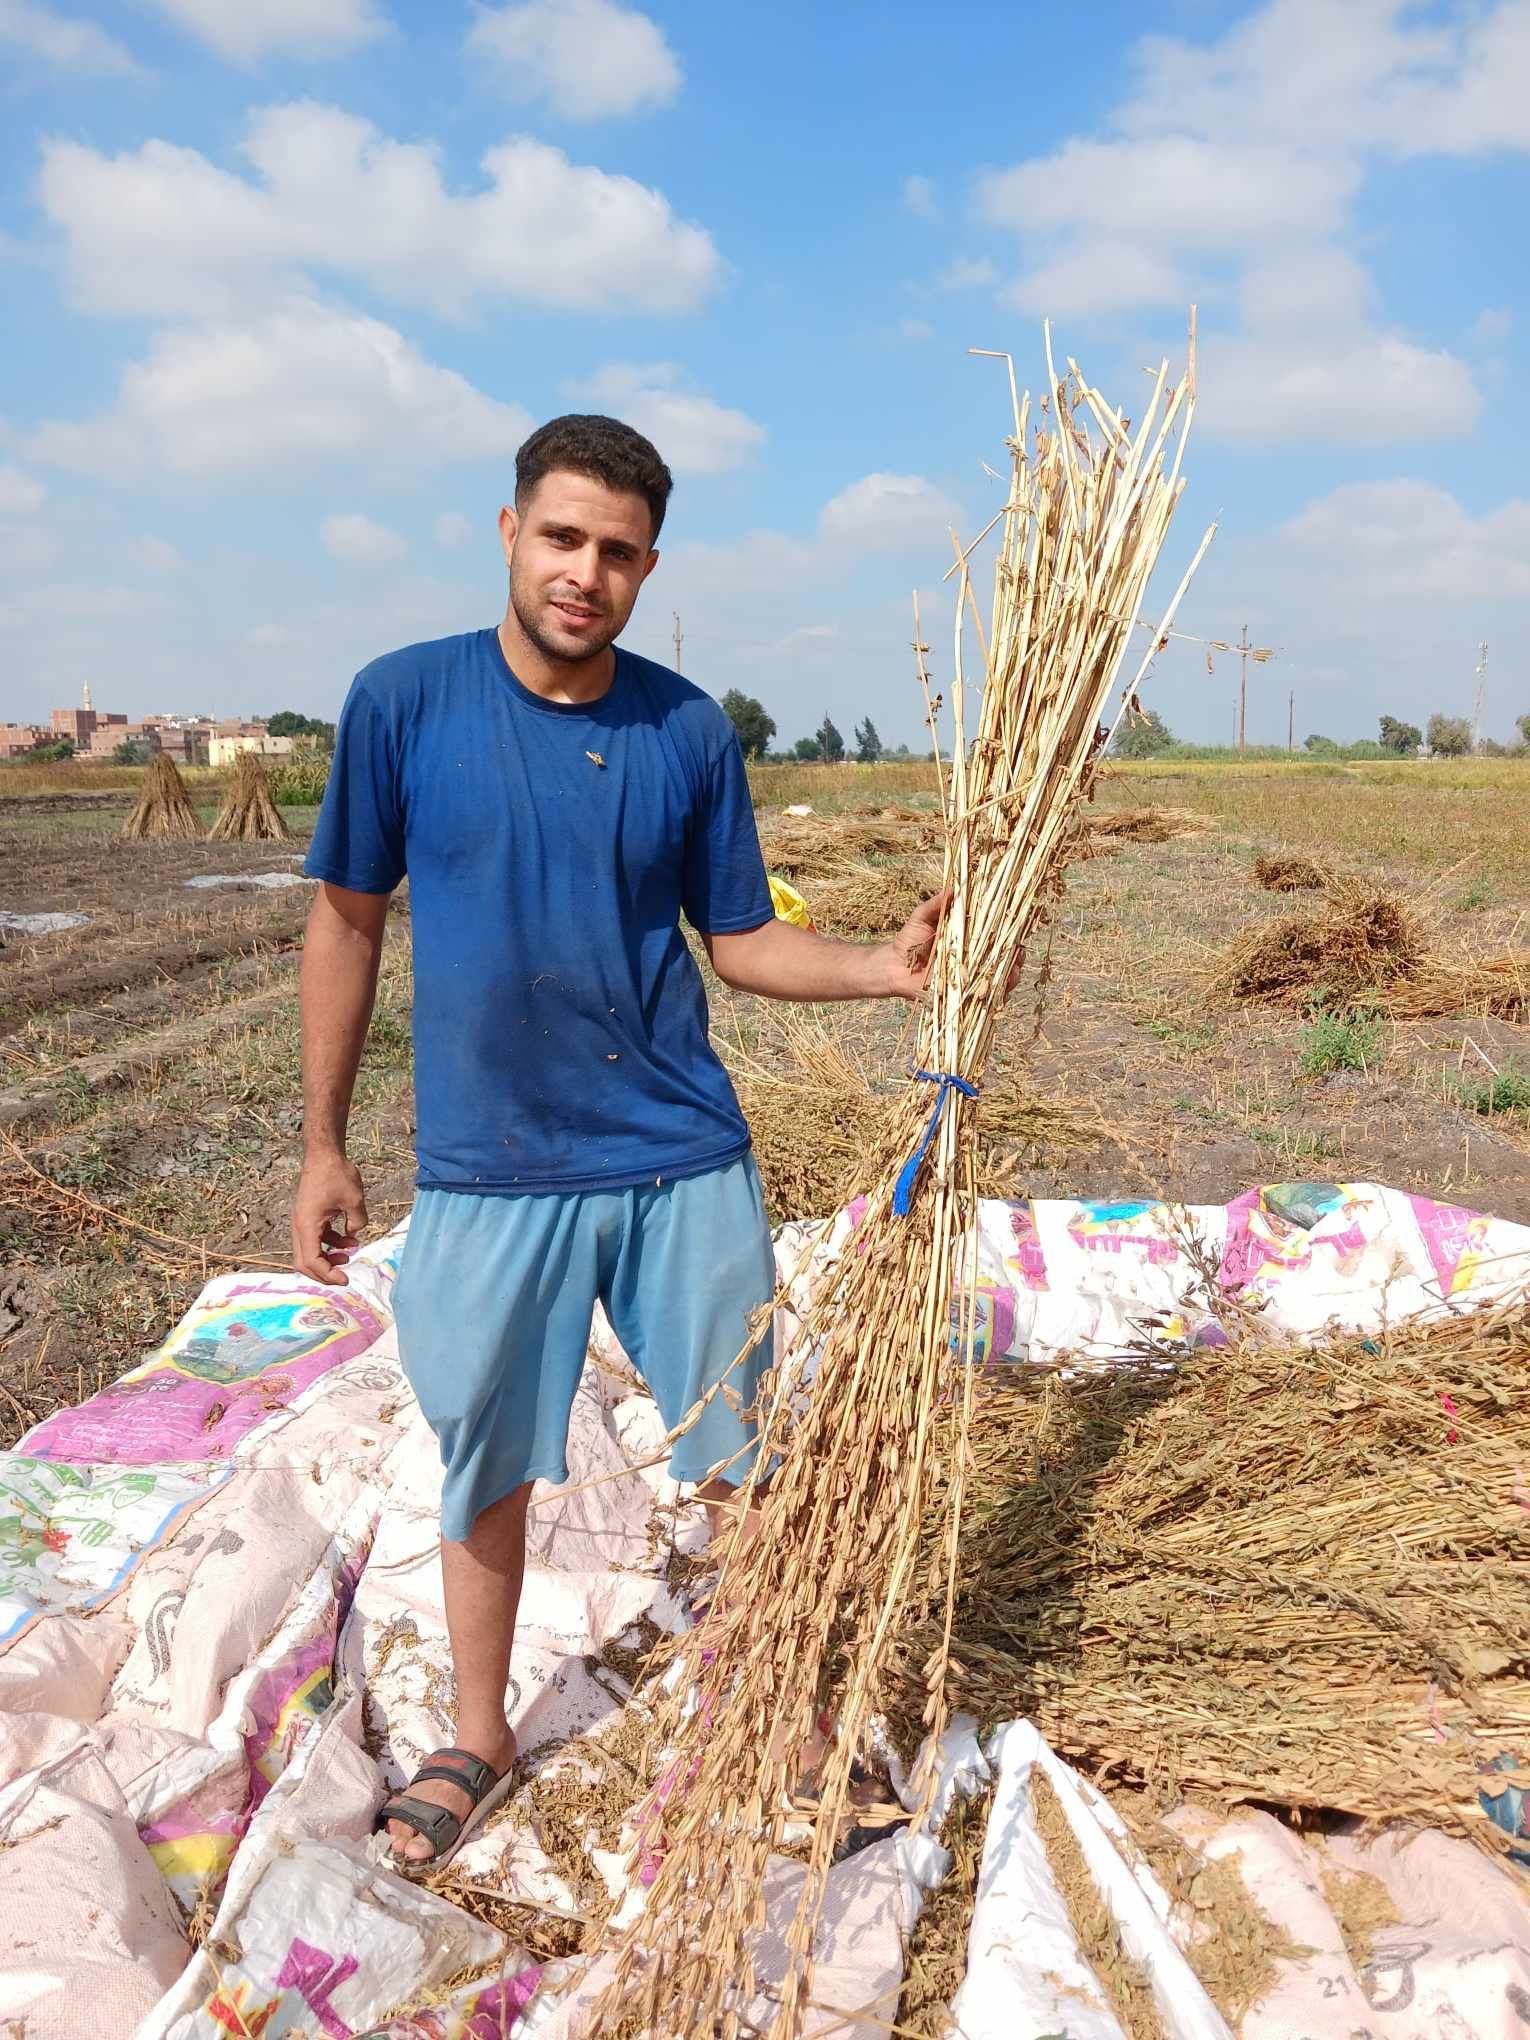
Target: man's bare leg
x=483 y=1577
x=722 y=1507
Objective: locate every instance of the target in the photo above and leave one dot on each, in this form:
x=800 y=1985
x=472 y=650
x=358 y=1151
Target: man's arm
x=341 y=951
x=781 y=961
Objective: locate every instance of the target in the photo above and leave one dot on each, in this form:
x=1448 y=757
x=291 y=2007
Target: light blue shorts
x=494 y=1301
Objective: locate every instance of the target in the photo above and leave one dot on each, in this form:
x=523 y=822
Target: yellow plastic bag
x=789 y=903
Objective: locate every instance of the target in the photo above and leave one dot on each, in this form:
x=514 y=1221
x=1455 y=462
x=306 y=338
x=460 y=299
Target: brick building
x=109 y=734
x=18 y=739
x=187 y=739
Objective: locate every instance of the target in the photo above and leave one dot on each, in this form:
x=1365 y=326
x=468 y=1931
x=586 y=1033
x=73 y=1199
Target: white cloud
x=303 y=383
x=157 y=555
x=967 y=272
x=695 y=435
x=244 y=33
x=914 y=330
x=269 y=637
x=886 y=513
x=1229 y=174
x=20 y=493
x=1366 y=390
x=163 y=230
x=1492 y=326
x=360 y=540
x=1177 y=190
x=1378 y=75
x=583 y=59
x=803 y=623
x=1406 y=541
x=1307 y=290
x=64 y=41
x=1098 y=276
x=452 y=530
x=919 y=198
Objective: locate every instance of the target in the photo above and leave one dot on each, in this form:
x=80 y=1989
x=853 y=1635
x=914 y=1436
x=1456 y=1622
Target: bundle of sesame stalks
x=817 y=1568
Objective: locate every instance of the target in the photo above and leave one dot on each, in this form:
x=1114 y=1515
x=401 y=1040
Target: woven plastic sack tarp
x=221 y=1633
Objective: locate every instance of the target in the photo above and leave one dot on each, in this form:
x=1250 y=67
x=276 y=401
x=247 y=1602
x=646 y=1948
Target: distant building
x=17 y=739
x=118 y=730
x=223 y=750
x=188 y=739
x=184 y=738
x=78 y=724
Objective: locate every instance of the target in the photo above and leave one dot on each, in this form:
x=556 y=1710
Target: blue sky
x=285 y=284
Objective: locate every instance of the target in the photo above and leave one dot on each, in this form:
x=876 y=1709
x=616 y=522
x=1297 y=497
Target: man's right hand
x=329 y=1214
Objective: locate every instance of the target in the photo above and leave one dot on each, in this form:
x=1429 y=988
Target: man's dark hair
x=604 y=449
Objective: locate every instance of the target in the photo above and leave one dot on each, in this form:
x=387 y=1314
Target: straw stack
x=1356 y=941
x=1147 y=824
x=248 y=813
x=809 y=1595
x=1287 y=873
x=1496 y=985
x=1295 y=1574
x=1364 y=945
x=163 y=809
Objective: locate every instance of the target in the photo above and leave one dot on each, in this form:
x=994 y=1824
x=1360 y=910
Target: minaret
x=87 y=694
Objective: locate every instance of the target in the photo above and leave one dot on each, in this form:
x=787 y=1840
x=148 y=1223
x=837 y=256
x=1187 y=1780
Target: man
x=557 y=803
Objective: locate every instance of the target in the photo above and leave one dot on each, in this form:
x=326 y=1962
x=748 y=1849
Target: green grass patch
x=1340 y=1039
x=1508 y=1090
x=1182 y=1039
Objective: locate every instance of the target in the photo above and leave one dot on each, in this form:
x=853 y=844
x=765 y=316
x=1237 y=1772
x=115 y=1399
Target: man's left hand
x=906 y=958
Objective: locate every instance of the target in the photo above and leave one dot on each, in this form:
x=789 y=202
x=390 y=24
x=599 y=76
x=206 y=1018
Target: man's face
x=578 y=553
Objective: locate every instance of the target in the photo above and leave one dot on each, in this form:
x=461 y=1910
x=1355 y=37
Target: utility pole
x=678 y=642
x=1259 y=654
x=1480 y=701
x=1291 y=720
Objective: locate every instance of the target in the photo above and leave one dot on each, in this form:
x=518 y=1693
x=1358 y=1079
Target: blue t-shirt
x=560 y=1025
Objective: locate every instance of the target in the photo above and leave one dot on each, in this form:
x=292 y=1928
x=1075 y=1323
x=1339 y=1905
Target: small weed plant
x=1508 y=1090
x=1340 y=1038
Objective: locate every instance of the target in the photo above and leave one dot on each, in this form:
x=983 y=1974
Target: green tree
x=1145 y=735
x=830 y=743
x=131 y=751
x=288 y=723
x=1450 y=736
x=755 y=728
x=808 y=749
x=55 y=752
x=868 y=745
x=1522 y=724
x=1402 y=737
x=1319 y=746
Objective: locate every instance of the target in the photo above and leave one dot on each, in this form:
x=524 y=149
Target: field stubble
x=157 y=1046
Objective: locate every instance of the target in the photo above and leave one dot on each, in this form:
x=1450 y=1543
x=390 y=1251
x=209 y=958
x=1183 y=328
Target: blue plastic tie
x=945 y=1083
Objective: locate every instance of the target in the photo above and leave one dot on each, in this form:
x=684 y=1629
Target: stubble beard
x=550 y=648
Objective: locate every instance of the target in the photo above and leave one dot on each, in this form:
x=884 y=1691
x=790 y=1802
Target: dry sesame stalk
x=807 y=1606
